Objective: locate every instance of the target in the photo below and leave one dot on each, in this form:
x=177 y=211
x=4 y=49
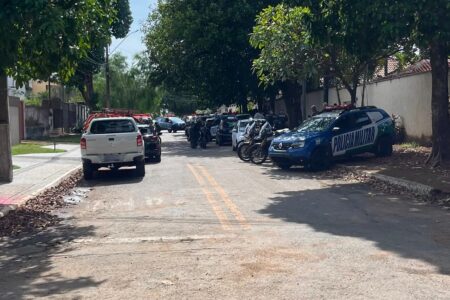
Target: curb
x=416 y=188
x=8 y=208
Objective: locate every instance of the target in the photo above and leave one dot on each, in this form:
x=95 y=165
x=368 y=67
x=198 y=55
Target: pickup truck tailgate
x=117 y=143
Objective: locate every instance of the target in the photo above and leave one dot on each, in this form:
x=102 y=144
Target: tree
x=373 y=26
x=95 y=59
x=43 y=37
x=201 y=48
x=431 y=31
x=131 y=89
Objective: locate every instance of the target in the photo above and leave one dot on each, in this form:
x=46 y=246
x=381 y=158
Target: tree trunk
x=352 y=92
x=338 y=95
x=6 y=169
x=326 y=87
x=364 y=87
x=88 y=90
x=439 y=103
x=291 y=97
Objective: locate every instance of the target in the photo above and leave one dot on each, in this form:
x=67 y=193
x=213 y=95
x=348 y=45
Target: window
x=316 y=124
x=375 y=116
x=112 y=126
x=362 y=119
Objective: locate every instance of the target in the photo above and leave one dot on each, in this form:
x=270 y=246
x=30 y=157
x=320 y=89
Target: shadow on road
x=412 y=230
x=106 y=177
x=26 y=264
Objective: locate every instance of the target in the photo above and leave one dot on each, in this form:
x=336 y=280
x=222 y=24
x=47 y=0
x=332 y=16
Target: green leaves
x=47 y=37
x=286 y=50
x=201 y=48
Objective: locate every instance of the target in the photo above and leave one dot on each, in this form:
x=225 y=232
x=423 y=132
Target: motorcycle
x=259 y=151
x=243 y=147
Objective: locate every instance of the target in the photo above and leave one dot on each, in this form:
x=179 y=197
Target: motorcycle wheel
x=257 y=154
x=242 y=151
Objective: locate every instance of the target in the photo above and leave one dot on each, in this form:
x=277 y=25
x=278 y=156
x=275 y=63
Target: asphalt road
x=204 y=225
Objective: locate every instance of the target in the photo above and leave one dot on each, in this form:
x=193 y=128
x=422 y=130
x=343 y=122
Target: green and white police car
x=334 y=133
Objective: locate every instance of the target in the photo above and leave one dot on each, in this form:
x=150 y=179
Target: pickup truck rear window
x=112 y=126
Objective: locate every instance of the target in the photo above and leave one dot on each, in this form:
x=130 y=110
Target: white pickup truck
x=112 y=143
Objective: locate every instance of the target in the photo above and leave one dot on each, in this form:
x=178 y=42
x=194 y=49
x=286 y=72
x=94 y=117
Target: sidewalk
x=406 y=166
x=37 y=172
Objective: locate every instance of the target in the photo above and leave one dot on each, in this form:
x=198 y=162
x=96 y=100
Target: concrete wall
x=409 y=97
x=14 y=120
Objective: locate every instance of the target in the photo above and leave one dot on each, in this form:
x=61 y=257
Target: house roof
x=419 y=67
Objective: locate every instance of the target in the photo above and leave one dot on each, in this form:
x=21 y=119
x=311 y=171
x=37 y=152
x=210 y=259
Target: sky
x=133 y=43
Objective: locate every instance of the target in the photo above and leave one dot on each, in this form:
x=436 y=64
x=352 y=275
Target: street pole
x=6 y=168
x=108 y=88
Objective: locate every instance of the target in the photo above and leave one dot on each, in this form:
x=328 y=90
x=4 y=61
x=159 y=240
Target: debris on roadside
x=76 y=196
x=37 y=214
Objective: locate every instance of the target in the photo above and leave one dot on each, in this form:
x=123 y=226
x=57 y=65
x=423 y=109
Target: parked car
x=329 y=135
x=223 y=135
x=177 y=124
x=152 y=142
x=243 y=116
x=171 y=124
x=214 y=127
x=238 y=131
x=113 y=143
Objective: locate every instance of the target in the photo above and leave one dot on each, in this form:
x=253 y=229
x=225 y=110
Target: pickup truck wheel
x=88 y=171
x=169 y=130
x=140 y=168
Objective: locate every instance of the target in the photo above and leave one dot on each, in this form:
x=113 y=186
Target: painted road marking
x=229 y=203
x=220 y=214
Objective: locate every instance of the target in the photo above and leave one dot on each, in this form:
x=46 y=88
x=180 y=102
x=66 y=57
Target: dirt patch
x=37 y=214
x=270 y=261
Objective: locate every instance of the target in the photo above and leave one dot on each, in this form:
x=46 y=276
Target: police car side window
x=362 y=119
x=345 y=123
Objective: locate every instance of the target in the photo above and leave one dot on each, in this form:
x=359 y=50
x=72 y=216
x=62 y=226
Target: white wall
x=14 y=125
x=16 y=92
x=409 y=97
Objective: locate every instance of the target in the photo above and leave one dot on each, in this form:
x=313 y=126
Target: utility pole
x=108 y=88
x=6 y=169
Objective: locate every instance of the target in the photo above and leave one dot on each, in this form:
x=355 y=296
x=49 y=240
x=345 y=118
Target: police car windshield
x=316 y=124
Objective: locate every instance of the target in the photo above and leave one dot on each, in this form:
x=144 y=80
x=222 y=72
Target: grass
x=15 y=167
x=411 y=145
x=31 y=148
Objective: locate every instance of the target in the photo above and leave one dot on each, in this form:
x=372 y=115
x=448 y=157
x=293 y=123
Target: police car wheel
x=320 y=160
x=384 y=147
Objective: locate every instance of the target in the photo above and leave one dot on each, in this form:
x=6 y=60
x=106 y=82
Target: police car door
x=355 y=135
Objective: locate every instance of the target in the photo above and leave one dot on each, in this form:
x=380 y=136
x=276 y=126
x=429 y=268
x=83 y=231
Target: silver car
x=237 y=134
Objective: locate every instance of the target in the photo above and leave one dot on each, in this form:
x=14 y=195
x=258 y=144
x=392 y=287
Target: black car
x=224 y=132
x=152 y=142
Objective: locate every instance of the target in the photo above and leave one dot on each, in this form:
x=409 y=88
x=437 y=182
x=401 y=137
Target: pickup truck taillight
x=83 y=143
x=139 y=140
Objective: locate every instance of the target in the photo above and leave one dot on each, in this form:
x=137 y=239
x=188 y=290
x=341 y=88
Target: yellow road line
x=214 y=205
x=233 y=208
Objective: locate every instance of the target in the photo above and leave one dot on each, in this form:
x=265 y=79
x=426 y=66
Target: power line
x=118 y=45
